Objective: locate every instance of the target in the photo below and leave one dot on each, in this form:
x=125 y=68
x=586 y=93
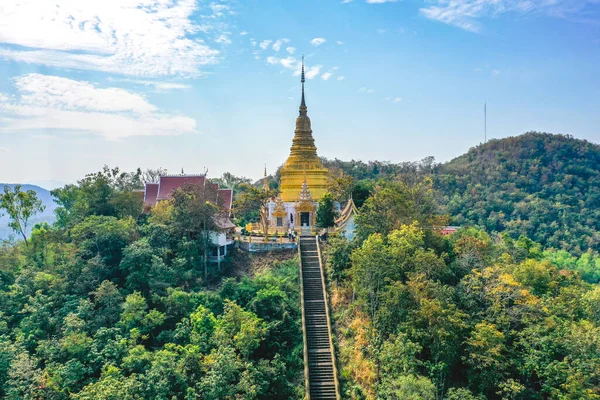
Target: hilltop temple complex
x=303 y=180
x=303 y=183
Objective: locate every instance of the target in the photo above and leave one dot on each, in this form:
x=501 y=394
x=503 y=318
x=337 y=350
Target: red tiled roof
x=168 y=184
x=150 y=193
x=225 y=198
x=163 y=190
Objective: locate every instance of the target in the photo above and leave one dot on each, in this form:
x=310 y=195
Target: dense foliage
x=114 y=304
x=543 y=186
x=469 y=316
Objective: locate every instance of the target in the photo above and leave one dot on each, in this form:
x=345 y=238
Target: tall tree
x=253 y=200
x=108 y=192
x=339 y=184
x=399 y=203
x=195 y=216
x=152 y=175
x=325 y=211
x=20 y=207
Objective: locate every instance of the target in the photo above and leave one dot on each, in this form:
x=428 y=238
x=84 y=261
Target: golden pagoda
x=303 y=164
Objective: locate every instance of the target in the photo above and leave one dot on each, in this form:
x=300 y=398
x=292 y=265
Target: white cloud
x=218 y=10
x=313 y=71
x=3 y=149
x=243 y=33
x=366 y=90
x=325 y=76
x=158 y=86
x=63 y=93
x=340 y=42
x=495 y=72
x=346 y=1
x=397 y=100
x=466 y=13
x=287 y=62
x=53 y=103
x=278 y=43
x=295 y=65
x=341 y=78
x=290 y=50
x=317 y=41
x=129 y=37
x=223 y=39
x=265 y=43
x=380 y=31
x=381 y=1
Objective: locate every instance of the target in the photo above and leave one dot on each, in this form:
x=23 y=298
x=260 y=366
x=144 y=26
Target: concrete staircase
x=319 y=359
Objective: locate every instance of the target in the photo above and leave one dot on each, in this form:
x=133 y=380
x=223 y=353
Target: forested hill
x=540 y=185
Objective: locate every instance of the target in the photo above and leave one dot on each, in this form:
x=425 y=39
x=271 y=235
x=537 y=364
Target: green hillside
x=540 y=185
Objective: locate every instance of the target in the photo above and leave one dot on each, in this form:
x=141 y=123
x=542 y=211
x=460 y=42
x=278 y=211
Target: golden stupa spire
x=302 y=103
x=303 y=158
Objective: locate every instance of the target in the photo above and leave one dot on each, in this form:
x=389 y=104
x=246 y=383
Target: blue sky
x=200 y=84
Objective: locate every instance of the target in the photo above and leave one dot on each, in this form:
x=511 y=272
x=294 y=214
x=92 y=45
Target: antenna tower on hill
x=485 y=122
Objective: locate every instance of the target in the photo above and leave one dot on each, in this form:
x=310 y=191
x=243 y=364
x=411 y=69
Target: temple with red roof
x=167 y=184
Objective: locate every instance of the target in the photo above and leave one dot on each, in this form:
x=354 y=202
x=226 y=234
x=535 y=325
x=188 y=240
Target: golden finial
x=303 y=102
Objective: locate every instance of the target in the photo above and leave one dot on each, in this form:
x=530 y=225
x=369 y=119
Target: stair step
x=320 y=359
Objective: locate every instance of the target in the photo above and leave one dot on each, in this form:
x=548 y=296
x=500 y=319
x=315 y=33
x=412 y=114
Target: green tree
x=407 y=387
x=195 y=217
x=486 y=355
x=339 y=184
x=106 y=193
x=325 y=211
x=337 y=255
x=394 y=204
x=254 y=201
x=20 y=207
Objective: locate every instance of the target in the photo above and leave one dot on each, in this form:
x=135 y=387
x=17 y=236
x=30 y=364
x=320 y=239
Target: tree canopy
x=110 y=303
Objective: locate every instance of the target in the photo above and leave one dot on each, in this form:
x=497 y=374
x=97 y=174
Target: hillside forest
x=112 y=301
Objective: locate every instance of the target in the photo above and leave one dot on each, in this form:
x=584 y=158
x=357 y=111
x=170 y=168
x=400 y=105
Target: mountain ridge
x=541 y=185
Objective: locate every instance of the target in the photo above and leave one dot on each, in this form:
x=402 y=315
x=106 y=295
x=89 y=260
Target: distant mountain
x=47 y=184
x=541 y=185
x=46 y=216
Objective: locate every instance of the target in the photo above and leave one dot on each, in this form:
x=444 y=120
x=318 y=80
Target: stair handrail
x=331 y=348
x=304 y=333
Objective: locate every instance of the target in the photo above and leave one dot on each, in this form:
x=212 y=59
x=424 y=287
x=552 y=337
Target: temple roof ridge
x=183 y=175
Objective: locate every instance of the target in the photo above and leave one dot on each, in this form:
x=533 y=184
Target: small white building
x=346 y=224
